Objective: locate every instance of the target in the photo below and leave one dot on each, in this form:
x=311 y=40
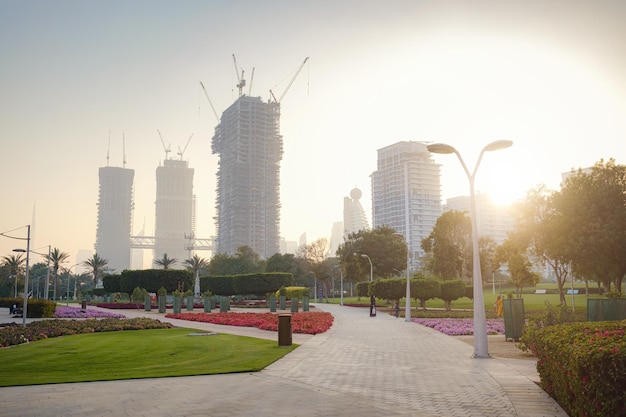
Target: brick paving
x=363 y=366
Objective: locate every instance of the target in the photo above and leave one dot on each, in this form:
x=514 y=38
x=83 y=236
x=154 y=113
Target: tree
x=139 y=296
x=513 y=253
x=195 y=264
x=56 y=258
x=450 y=246
x=424 y=289
x=451 y=290
x=387 y=252
x=593 y=209
x=245 y=261
x=97 y=266
x=165 y=261
x=14 y=266
x=288 y=263
x=315 y=255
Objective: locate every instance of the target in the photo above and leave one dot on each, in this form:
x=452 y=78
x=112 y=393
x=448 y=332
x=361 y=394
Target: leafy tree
x=424 y=289
x=513 y=253
x=245 y=261
x=97 y=265
x=451 y=290
x=15 y=267
x=196 y=264
x=315 y=254
x=389 y=289
x=165 y=261
x=56 y=258
x=139 y=296
x=288 y=263
x=387 y=252
x=450 y=246
x=488 y=261
x=593 y=209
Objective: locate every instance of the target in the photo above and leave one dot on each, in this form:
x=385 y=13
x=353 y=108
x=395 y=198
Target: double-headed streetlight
x=480 y=323
x=69 y=276
x=25 y=306
x=371 y=266
x=407 y=307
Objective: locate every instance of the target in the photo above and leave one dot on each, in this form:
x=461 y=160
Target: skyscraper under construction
x=115 y=210
x=250 y=149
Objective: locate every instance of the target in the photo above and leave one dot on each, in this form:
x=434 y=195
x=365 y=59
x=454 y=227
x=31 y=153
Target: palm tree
x=195 y=264
x=165 y=262
x=97 y=265
x=14 y=265
x=56 y=258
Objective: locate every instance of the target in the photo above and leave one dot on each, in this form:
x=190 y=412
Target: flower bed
x=78 y=313
x=43 y=329
x=305 y=322
x=460 y=327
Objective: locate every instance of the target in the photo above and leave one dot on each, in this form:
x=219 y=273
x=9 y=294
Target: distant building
x=175 y=210
x=494 y=221
x=336 y=237
x=288 y=246
x=406 y=193
x=115 y=215
x=250 y=149
x=354 y=218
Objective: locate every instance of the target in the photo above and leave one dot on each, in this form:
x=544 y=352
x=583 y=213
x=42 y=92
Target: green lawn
x=134 y=354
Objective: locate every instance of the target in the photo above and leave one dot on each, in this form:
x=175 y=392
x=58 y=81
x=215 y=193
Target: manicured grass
x=134 y=354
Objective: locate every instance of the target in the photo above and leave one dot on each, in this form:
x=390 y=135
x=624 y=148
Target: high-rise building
x=406 y=193
x=115 y=216
x=493 y=221
x=175 y=210
x=250 y=149
x=354 y=218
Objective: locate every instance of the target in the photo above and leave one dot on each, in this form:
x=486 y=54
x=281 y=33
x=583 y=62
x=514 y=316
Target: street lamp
x=407 y=307
x=371 y=266
x=481 y=349
x=69 y=276
x=25 y=306
x=341 y=278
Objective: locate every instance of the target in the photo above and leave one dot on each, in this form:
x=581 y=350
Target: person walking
x=372 y=306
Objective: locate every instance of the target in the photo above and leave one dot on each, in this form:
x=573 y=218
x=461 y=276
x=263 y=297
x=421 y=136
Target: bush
x=583 y=366
x=36 y=308
x=293 y=292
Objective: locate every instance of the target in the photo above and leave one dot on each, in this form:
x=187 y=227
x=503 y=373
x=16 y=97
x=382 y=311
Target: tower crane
x=241 y=82
x=166 y=149
x=180 y=153
x=290 y=82
x=210 y=102
x=251 y=80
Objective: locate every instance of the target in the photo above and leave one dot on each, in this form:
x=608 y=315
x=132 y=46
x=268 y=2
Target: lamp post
x=25 y=306
x=481 y=349
x=371 y=266
x=407 y=307
x=69 y=276
x=341 y=278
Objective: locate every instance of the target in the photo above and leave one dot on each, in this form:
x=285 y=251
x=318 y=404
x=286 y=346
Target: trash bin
x=514 y=320
x=284 y=330
x=83 y=305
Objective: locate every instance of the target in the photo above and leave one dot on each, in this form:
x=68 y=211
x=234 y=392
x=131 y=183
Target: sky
x=86 y=84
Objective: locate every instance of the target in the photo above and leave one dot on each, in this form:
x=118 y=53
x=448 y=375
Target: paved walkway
x=363 y=366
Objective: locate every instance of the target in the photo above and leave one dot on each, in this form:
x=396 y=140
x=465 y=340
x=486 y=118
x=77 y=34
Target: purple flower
x=460 y=327
x=77 y=313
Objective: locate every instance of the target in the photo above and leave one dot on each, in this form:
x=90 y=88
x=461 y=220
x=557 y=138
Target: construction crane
x=290 y=82
x=241 y=82
x=210 y=102
x=166 y=149
x=251 y=80
x=180 y=153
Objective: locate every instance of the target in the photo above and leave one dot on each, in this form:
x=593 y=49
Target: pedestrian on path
x=372 y=306
x=396 y=309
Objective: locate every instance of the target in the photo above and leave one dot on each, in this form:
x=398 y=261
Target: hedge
x=248 y=284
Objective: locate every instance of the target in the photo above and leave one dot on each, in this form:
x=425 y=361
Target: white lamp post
x=407 y=307
x=371 y=266
x=25 y=306
x=69 y=276
x=481 y=349
x=341 y=278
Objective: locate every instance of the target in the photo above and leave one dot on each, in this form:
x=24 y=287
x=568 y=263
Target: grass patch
x=134 y=354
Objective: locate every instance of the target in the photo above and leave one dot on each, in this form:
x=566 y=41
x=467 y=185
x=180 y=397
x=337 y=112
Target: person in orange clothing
x=498 y=306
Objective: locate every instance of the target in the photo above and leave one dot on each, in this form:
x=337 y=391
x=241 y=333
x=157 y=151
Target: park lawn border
x=134 y=354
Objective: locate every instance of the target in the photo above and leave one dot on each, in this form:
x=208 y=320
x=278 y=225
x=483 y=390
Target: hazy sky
x=549 y=75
